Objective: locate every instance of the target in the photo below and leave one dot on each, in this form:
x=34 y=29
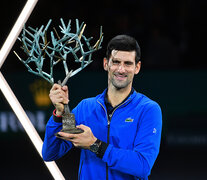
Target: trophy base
x=70 y=131
x=73 y=131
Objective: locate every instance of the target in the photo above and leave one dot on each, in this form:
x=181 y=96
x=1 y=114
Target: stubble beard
x=120 y=84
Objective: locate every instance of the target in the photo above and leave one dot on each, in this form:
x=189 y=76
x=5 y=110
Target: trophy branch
x=41 y=49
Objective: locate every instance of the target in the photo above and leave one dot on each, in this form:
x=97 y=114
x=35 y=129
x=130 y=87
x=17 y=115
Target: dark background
x=172 y=36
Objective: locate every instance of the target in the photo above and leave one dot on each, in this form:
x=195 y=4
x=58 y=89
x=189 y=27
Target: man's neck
x=116 y=96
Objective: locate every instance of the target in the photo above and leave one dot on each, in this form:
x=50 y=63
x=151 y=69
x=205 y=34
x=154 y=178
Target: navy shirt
x=109 y=107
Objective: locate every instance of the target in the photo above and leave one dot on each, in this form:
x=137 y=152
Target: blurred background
x=172 y=36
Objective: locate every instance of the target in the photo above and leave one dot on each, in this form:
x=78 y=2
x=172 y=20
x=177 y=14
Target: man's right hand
x=59 y=96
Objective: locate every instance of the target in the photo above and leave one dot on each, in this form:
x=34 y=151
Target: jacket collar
x=101 y=97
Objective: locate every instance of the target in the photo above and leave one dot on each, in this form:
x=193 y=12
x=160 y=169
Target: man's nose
x=121 y=68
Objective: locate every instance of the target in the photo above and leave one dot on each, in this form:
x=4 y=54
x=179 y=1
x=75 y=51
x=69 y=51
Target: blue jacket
x=133 y=134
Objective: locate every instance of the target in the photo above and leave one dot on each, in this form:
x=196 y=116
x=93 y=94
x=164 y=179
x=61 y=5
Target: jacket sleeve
x=54 y=148
x=139 y=161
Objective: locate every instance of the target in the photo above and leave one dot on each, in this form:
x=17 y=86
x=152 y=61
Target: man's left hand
x=82 y=140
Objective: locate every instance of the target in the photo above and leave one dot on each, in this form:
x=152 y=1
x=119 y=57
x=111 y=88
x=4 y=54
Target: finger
x=83 y=127
x=59 y=96
x=54 y=93
x=65 y=88
x=57 y=91
x=62 y=99
x=55 y=86
x=67 y=135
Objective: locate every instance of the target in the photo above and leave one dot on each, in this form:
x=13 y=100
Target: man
x=122 y=128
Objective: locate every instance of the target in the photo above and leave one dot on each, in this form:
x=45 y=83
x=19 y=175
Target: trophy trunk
x=68 y=120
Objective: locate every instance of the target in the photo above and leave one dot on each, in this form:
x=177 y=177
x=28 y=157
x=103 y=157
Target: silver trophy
x=41 y=50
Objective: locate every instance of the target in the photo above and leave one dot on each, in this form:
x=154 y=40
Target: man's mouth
x=120 y=77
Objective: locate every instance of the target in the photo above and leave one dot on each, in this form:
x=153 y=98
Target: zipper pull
x=108 y=123
x=109 y=119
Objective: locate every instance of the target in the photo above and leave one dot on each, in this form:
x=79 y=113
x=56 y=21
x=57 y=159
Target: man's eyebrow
x=117 y=59
x=127 y=61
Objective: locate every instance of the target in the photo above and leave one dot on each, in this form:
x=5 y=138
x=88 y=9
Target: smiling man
x=121 y=67
x=122 y=127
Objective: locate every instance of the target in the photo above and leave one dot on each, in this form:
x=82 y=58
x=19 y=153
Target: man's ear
x=137 y=68
x=105 y=64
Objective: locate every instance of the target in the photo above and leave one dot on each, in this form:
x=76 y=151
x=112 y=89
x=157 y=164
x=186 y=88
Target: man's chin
x=119 y=85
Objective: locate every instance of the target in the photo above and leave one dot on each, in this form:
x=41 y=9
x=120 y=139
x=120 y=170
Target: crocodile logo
x=129 y=119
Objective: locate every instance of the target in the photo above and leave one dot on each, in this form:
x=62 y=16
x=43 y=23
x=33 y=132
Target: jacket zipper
x=109 y=116
x=108 y=131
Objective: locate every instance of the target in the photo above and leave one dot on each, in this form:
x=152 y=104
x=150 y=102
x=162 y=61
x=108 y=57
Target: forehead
x=123 y=55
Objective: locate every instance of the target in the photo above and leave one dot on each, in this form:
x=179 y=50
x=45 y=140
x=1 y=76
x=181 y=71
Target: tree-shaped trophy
x=40 y=50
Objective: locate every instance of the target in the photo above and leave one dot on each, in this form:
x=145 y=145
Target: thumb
x=81 y=126
x=65 y=88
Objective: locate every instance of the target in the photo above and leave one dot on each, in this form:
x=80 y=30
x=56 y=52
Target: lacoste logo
x=129 y=120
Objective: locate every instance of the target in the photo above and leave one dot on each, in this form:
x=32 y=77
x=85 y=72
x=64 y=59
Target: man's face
x=121 y=68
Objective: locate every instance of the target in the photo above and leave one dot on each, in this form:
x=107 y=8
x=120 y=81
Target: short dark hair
x=124 y=43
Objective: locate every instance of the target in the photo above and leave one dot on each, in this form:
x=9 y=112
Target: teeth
x=120 y=76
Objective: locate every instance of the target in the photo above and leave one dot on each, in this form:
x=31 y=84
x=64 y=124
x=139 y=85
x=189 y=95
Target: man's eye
x=115 y=62
x=128 y=63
